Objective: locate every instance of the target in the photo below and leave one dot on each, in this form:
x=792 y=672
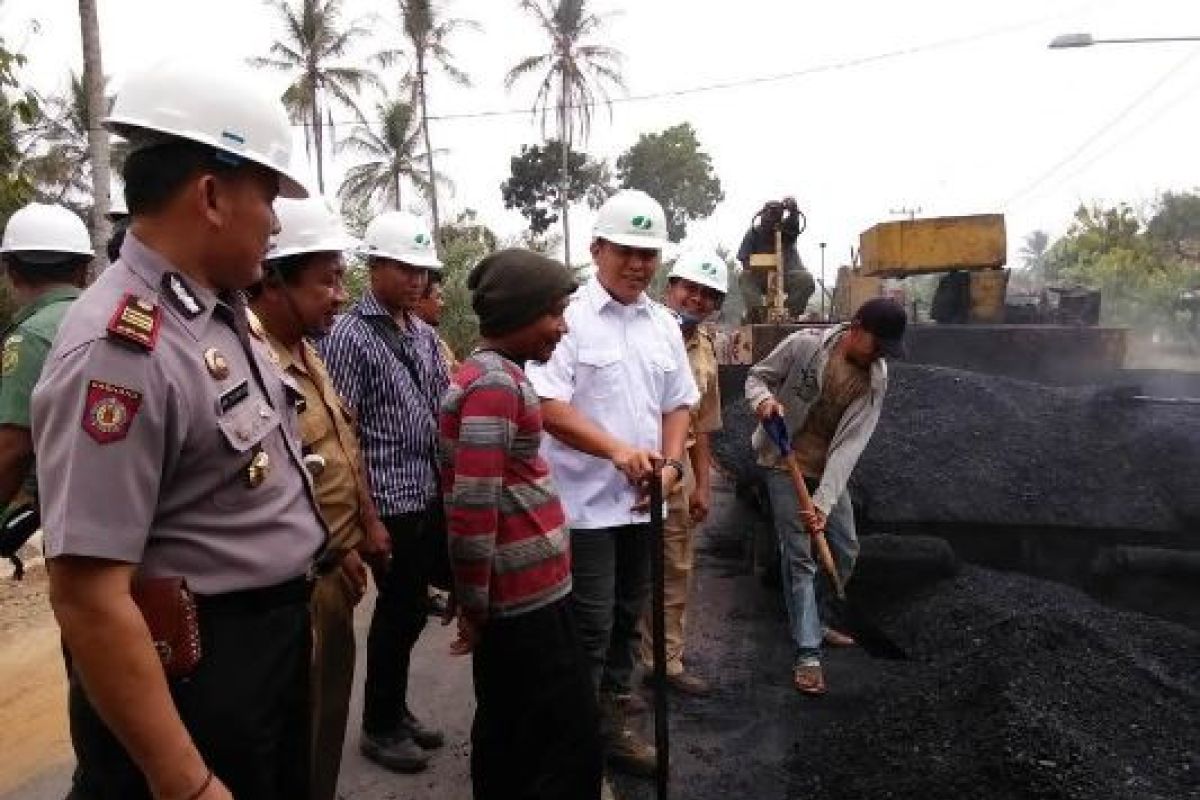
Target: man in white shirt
x=616 y=397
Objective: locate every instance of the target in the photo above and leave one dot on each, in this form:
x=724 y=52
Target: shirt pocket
x=244 y=432
x=599 y=374
x=315 y=424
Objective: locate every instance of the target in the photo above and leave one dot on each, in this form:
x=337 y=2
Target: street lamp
x=1070 y=40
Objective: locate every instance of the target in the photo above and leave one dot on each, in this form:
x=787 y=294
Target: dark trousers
x=535 y=735
x=245 y=706
x=401 y=608
x=611 y=572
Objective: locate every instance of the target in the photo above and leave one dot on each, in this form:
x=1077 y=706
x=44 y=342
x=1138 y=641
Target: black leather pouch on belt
x=170 y=612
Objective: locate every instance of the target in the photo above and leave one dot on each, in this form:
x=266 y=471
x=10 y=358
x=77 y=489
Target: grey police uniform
x=163 y=442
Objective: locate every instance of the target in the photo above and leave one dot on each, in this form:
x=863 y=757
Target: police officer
x=180 y=524
x=299 y=296
x=696 y=288
x=46 y=252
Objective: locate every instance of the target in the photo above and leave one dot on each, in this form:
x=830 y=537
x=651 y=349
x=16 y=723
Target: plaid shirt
x=396 y=419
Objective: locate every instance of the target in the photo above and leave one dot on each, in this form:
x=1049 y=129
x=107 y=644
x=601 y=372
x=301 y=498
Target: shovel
x=658 y=637
x=777 y=431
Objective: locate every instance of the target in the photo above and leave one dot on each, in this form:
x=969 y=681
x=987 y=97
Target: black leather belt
x=265 y=598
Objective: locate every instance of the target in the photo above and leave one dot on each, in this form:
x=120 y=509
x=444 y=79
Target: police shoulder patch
x=136 y=322
x=108 y=411
x=12 y=355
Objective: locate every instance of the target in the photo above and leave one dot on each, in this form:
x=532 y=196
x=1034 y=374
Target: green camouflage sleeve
x=23 y=357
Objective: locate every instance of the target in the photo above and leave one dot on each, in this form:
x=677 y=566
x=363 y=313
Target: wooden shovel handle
x=818 y=538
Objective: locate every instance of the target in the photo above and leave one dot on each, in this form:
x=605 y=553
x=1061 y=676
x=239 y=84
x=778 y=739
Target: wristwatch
x=678 y=465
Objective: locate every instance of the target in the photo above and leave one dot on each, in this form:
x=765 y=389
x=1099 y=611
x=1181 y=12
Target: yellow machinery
x=772 y=264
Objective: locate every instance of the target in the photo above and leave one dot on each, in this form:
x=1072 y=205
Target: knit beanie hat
x=514 y=287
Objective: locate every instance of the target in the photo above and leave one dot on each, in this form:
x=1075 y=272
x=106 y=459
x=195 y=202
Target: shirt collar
x=284 y=357
x=155 y=271
x=599 y=298
x=369 y=306
x=45 y=299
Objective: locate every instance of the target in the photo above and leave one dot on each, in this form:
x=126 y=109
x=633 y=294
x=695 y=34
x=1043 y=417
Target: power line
x=1100 y=132
x=1170 y=106
x=835 y=66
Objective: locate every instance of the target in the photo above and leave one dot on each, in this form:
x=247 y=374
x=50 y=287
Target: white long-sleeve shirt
x=623 y=367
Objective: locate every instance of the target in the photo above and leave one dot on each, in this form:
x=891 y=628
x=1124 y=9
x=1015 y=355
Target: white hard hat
x=46 y=229
x=403 y=237
x=222 y=109
x=308 y=226
x=703 y=267
x=632 y=218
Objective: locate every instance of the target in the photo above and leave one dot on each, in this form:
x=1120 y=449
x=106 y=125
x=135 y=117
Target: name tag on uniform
x=231 y=397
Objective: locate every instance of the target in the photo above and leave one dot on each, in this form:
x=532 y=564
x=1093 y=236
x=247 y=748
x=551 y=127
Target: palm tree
x=93 y=80
x=312 y=43
x=575 y=74
x=394 y=155
x=427 y=29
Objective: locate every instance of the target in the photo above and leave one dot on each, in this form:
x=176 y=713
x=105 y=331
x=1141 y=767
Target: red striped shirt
x=509 y=545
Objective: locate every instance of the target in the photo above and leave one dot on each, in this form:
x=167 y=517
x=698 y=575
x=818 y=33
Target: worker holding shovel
x=818 y=396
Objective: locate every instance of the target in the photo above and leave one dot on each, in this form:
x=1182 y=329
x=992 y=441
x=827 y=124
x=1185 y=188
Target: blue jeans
x=798 y=564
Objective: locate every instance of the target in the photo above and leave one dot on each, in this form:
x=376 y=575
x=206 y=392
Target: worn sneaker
x=427 y=738
x=809 y=679
x=835 y=638
x=626 y=751
x=392 y=753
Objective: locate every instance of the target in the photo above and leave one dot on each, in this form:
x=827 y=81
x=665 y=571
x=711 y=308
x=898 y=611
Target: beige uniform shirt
x=326 y=430
x=157 y=445
x=706 y=414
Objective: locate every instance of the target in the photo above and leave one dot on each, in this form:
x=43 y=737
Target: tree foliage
x=313 y=48
x=671 y=168
x=534 y=185
x=464 y=243
x=1132 y=261
x=395 y=157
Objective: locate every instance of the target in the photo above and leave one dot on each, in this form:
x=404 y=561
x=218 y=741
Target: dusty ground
x=33 y=729
x=1012 y=687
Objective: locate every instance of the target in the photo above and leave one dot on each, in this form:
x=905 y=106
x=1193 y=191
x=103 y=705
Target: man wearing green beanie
x=536 y=729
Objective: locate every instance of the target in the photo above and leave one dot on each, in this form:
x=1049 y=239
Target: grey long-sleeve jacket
x=793 y=374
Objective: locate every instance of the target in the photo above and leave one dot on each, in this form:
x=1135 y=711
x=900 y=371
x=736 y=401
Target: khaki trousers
x=678 y=555
x=332 y=678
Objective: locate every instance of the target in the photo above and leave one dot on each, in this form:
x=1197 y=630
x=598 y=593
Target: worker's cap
x=885 y=319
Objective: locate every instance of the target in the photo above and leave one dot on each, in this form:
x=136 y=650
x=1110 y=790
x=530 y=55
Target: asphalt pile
x=964 y=447
x=1014 y=688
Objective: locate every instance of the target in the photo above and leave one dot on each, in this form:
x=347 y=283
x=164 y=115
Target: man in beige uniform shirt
x=167 y=451
x=696 y=287
x=298 y=297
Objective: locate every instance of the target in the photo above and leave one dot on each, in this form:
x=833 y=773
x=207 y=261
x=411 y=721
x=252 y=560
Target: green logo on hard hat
x=421 y=239
x=642 y=223
x=709 y=268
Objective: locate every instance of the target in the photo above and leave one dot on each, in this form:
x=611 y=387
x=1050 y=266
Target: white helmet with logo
x=221 y=109
x=703 y=267
x=632 y=218
x=308 y=226
x=40 y=228
x=402 y=237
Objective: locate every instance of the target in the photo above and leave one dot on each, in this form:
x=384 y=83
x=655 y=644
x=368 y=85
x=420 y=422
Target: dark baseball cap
x=886 y=320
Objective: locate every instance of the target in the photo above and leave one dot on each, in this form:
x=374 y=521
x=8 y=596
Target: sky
x=860 y=109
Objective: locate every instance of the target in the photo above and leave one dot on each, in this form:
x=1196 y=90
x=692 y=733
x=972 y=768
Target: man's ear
x=210 y=197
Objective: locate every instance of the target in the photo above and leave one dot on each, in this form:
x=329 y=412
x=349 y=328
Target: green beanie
x=514 y=287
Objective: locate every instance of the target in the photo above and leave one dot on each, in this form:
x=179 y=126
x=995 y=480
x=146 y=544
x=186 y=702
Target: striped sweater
x=509 y=546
